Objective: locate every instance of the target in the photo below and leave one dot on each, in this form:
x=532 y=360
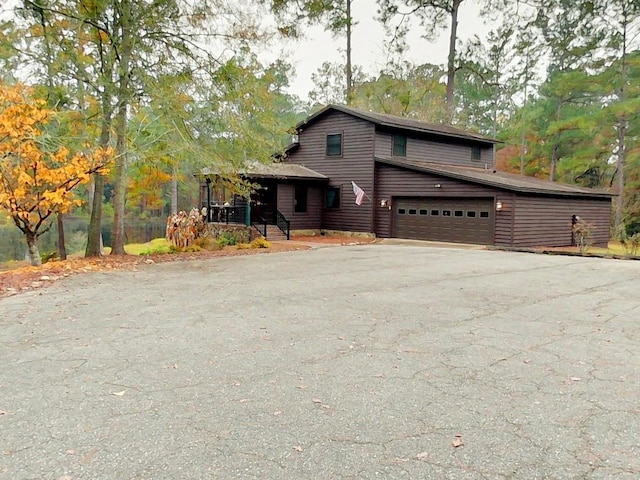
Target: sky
x=368 y=42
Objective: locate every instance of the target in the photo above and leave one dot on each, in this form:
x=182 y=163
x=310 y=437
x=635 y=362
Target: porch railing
x=227 y=214
x=261 y=226
x=283 y=223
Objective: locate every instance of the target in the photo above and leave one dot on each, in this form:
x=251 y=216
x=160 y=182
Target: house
x=422 y=181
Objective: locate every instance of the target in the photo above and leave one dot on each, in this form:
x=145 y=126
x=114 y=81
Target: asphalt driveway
x=376 y=361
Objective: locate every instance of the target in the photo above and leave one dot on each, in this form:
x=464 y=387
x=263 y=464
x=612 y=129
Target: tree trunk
x=117 y=233
x=451 y=61
x=94 y=236
x=620 y=164
x=117 y=237
x=553 y=163
x=622 y=131
x=174 y=190
x=34 y=252
x=62 y=248
x=349 y=67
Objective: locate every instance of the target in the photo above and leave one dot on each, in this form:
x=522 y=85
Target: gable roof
x=494 y=178
x=400 y=123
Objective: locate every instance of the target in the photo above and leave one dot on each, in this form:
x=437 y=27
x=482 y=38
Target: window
x=332 y=197
x=424 y=212
x=446 y=213
x=458 y=213
x=399 y=146
x=484 y=214
x=435 y=213
x=334 y=144
x=471 y=214
x=476 y=153
x=300 y=199
x=413 y=211
x=401 y=211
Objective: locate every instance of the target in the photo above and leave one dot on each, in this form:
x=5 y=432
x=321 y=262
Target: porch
x=280 y=199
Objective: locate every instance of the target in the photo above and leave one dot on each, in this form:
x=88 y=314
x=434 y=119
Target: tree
x=116 y=50
x=405 y=90
x=622 y=23
x=37 y=177
x=433 y=15
x=336 y=17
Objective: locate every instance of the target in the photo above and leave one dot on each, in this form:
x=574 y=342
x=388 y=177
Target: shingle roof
x=401 y=123
x=494 y=178
x=274 y=170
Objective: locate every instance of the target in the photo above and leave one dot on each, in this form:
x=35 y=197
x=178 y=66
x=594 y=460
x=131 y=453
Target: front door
x=264 y=202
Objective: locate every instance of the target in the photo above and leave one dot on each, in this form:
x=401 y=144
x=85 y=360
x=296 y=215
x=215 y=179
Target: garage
x=459 y=220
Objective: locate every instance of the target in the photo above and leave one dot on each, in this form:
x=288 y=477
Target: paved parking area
x=376 y=361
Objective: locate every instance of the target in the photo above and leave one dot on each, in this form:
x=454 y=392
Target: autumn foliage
x=37 y=174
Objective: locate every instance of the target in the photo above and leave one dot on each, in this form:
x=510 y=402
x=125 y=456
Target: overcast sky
x=368 y=44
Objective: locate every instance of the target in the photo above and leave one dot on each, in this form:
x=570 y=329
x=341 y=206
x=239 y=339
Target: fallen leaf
x=2 y=412
x=277 y=413
x=422 y=456
x=244 y=400
x=298 y=448
x=65 y=477
x=316 y=400
x=575 y=379
x=119 y=394
x=302 y=387
x=70 y=452
x=527 y=360
x=457 y=442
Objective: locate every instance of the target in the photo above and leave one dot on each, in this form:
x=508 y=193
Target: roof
x=401 y=123
x=274 y=170
x=494 y=178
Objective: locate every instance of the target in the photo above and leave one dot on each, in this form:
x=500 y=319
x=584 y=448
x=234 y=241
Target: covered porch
x=283 y=196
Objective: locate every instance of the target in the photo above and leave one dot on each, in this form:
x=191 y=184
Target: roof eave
x=499 y=185
x=362 y=115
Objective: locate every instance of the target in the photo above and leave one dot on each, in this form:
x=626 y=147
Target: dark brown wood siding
x=355 y=164
x=309 y=220
x=546 y=221
x=394 y=182
x=449 y=153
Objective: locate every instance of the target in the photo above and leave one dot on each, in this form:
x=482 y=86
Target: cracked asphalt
x=359 y=362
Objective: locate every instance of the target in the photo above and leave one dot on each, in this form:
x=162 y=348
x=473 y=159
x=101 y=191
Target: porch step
x=274 y=233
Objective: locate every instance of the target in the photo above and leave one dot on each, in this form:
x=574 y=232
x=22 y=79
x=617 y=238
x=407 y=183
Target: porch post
x=247 y=217
x=208 y=182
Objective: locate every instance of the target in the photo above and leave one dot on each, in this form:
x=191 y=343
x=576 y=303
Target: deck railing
x=227 y=214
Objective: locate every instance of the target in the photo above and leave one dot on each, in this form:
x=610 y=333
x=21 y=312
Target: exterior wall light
x=499 y=205
x=437 y=185
x=384 y=202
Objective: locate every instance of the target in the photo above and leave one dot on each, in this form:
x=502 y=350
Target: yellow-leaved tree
x=37 y=177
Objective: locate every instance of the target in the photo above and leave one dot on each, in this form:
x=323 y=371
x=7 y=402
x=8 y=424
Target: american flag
x=359 y=193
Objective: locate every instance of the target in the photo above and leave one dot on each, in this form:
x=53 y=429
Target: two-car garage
x=456 y=219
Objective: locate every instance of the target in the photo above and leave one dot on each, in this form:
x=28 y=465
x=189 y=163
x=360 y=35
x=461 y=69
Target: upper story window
x=399 y=145
x=334 y=144
x=476 y=153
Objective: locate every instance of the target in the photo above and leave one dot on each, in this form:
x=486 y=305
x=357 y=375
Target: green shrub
x=227 y=238
x=630 y=242
x=160 y=250
x=48 y=256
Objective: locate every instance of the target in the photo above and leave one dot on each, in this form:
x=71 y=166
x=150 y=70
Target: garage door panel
x=463 y=220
